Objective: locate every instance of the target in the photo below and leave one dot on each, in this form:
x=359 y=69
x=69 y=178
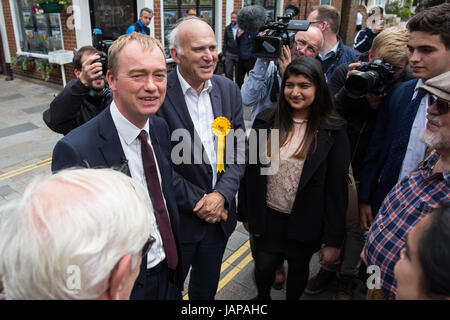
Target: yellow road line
x=233 y=272
x=21 y=170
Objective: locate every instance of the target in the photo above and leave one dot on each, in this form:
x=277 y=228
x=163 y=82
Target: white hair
x=174 y=41
x=83 y=218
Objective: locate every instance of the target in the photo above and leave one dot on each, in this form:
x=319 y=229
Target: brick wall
x=157 y=17
x=9 y=28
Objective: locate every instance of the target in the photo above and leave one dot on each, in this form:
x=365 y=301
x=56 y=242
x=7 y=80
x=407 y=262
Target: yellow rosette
x=220 y=127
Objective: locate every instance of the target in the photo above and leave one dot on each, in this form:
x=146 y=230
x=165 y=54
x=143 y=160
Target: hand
x=375 y=100
x=91 y=71
x=329 y=255
x=365 y=215
x=240 y=32
x=210 y=207
x=352 y=68
x=284 y=59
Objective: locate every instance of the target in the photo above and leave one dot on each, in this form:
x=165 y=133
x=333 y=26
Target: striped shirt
x=414 y=197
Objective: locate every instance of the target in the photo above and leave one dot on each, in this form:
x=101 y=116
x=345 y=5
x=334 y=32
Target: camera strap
x=331 y=62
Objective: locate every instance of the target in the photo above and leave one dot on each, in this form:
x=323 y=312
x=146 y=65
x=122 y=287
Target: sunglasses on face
x=147 y=246
x=441 y=105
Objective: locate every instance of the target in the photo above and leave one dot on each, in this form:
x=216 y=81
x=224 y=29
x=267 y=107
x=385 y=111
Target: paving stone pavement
x=26 y=145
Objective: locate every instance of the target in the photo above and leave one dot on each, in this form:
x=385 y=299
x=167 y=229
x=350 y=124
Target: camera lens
x=360 y=83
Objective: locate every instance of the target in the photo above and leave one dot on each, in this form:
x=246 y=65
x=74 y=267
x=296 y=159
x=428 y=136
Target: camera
x=373 y=77
x=102 y=46
x=269 y=45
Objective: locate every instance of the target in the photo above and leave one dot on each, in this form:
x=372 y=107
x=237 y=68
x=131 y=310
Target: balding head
x=309 y=42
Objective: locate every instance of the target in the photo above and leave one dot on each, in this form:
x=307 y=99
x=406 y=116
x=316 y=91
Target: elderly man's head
x=78 y=234
x=309 y=42
x=194 y=48
x=437 y=132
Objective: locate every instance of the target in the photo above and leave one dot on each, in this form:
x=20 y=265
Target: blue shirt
x=256 y=89
x=132 y=28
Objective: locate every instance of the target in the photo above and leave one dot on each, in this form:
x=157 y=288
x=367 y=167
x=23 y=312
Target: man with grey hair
x=416 y=195
x=78 y=234
x=195 y=100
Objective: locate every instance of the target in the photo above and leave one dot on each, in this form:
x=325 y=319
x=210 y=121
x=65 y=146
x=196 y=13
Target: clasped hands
x=211 y=208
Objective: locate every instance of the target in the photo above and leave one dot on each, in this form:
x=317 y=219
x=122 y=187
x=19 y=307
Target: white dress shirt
x=416 y=149
x=201 y=112
x=128 y=135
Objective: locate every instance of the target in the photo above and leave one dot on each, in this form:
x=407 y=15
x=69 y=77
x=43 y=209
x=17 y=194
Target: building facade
x=28 y=36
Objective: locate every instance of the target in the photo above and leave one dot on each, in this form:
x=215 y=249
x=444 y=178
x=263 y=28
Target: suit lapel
x=216 y=102
x=315 y=159
x=176 y=101
x=111 y=148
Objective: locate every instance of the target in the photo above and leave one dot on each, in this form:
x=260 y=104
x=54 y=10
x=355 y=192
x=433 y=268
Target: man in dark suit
x=395 y=148
x=126 y=135
x=205 y=197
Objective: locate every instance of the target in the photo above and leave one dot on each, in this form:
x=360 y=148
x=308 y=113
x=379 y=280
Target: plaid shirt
x=414 y=197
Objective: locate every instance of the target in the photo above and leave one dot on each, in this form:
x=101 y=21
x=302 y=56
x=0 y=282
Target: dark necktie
x=155 y=192
x=398 y=147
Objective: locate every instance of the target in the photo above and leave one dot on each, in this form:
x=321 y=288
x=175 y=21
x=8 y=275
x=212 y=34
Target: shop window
x=176 y=9
x=269 y=5
x=38 y=32
x=113 y=17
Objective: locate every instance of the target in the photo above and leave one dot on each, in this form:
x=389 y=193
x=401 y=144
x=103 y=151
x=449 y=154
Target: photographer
x=360 y=113
x=258 y=91
x=82 y=99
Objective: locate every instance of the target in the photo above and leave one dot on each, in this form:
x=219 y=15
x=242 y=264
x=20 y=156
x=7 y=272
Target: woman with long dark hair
x=293 y=212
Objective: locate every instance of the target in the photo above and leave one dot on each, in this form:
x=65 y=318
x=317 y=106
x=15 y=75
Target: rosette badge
x=220 y=127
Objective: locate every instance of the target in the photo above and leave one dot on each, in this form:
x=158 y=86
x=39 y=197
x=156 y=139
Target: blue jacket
x=193 y=180
x=343 y=55
x=363 y=40
x=96 y=144
x=375 y=182
x=143 y=29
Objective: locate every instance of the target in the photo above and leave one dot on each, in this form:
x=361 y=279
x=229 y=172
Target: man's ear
x=77 y=73
x=174 y=55
x=111 y=80
x=370 y=55
x=119 y=277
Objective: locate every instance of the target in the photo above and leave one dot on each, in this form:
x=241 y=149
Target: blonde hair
x=146 y=42
x=391 y=45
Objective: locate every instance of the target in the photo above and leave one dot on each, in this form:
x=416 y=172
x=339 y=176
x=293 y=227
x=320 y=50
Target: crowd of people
x=363 y=173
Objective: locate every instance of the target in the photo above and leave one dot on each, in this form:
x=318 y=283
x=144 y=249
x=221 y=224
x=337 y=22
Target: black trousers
x=243 y=67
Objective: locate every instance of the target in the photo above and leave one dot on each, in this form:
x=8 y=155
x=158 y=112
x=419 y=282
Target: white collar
x=125 y=128
x=186 y=86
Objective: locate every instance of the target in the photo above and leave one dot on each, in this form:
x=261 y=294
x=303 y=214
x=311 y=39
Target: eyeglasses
x=302 y=43
x=441 y=105
x=312 y=22
x=147 y=246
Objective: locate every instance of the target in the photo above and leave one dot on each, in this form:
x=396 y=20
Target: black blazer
x=193 y=180
x=320 y=204
x=96 y=144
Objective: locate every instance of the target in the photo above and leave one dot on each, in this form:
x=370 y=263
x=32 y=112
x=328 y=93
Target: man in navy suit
x=205 y=197
x=137 y=76
x=388 y=160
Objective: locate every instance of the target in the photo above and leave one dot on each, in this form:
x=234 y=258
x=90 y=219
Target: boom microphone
x=251 y=18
